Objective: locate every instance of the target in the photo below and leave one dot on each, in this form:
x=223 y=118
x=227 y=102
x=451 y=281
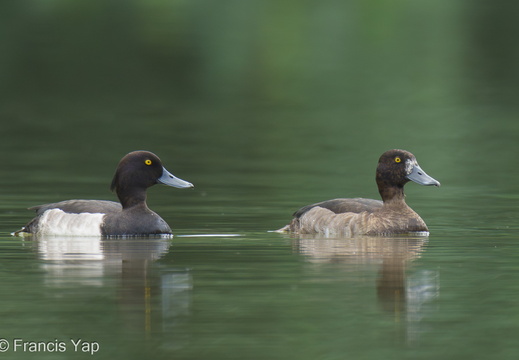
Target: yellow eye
x=397 y=159
x=148 y=162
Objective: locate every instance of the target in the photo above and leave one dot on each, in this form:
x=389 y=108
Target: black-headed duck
x=350 y=217
x=136 y=172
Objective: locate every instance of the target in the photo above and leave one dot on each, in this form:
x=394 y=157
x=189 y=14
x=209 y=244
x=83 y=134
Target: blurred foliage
x=283 y=52
x=284 y=83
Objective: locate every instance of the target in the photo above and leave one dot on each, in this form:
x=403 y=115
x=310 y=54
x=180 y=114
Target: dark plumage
x=136 y=172
x=349 y=217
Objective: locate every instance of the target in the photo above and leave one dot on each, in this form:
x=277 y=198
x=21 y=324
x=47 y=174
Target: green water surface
x=265 y=106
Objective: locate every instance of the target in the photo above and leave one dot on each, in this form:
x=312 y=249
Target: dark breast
x=135 y=221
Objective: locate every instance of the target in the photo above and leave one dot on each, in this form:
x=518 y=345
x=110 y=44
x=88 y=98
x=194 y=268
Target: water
x=265 y=295
x=265 y=107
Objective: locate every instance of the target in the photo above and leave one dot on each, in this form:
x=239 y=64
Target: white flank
x=58 y=222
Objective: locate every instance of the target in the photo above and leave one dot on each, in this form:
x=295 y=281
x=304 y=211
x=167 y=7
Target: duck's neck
x=131 y=198
x=392 y=194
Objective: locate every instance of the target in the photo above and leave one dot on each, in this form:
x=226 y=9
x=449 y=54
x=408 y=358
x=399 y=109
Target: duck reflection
x=149 y=297
x=396 y=292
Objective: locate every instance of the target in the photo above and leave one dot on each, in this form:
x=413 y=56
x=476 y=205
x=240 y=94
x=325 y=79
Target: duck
x=358 y=216
x=131 y=216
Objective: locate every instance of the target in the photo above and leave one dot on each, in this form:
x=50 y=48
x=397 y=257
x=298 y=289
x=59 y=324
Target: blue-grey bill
x=169 y=179
x=420 y=177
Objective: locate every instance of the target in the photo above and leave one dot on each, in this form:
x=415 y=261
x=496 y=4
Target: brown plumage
x=350 y=217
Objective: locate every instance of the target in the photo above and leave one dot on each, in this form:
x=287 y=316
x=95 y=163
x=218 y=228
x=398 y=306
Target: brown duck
x=350 y=217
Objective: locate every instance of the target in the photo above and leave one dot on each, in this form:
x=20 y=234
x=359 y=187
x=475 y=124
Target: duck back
x=339 y=206
x=80 y=206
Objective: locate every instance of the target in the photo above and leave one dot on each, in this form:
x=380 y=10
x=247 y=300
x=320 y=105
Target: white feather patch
x=58 y=222
x=409 y=165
